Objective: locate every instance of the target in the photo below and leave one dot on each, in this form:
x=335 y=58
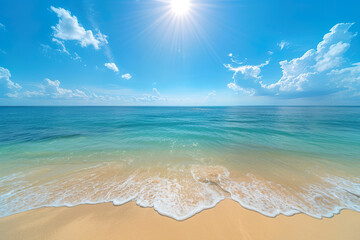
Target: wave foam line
x=178 y=194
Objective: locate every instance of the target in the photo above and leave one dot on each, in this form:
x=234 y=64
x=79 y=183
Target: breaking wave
x=178 y=192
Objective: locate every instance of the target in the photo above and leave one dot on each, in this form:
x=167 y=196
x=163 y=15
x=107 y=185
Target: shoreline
x=226 y=220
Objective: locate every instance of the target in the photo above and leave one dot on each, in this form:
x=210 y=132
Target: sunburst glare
x=180 y=7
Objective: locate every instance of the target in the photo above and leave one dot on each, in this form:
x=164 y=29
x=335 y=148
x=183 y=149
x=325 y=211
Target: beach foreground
x=228 y=220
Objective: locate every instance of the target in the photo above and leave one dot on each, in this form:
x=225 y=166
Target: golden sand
x=228 y=220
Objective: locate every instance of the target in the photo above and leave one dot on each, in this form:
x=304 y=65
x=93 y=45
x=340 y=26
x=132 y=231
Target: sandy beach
x=228 y=220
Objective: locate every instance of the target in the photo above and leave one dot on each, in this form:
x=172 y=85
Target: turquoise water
x=181 y=160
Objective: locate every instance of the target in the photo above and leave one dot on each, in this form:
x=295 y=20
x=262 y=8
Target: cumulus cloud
x=11 y=87
x=5 y=76
x=126 y=76
x=245 y=73
x=318 y=71
x=52 y=89
x=347 y=77
x=112 y=66
x=309 y=71
x=236 y=88
x=68 y=28
x=283 y=44
x=247 y=70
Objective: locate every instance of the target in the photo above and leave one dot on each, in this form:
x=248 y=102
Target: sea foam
x=175 y=192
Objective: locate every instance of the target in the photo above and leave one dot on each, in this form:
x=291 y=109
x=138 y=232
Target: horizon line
x=272 y=105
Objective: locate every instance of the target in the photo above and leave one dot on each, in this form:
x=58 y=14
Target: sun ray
x=180 y=7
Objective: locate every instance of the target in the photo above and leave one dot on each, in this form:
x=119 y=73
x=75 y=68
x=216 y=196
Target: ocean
x=181 y=160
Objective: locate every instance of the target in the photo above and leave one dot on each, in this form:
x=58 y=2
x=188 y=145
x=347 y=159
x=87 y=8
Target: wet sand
x=228 y=220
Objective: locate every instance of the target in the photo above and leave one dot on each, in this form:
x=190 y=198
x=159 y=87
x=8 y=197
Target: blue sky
x=147 y=53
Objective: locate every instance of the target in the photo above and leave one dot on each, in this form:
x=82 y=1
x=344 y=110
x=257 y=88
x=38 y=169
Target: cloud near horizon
x=155 y=96
x=12 y=88
x=317 y=72
x=51 y=89
x=247 y=72
x=210 y=95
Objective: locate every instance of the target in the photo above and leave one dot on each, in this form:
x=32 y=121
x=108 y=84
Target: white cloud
x=30 y=94
x=308 y=71
x=112 y=66
x=294 y=73
x=12 y=95
x=62 y=46
x=317 y=72
x=283 y=44
x=332 y=58
x=102 y=38
x=5 y=76
x=230 y=54
x=245 y=72
x=270 y=52
x=347 y=77
x=52 y=89
x=236 y=88
x=155 y=96
x=2 y=26
x=126 y=76
x=68 y=28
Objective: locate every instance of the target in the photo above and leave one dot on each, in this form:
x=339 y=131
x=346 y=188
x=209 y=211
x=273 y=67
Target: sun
x=180 y=7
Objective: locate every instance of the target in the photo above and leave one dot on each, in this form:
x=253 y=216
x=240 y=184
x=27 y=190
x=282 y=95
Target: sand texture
x=228 y=220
